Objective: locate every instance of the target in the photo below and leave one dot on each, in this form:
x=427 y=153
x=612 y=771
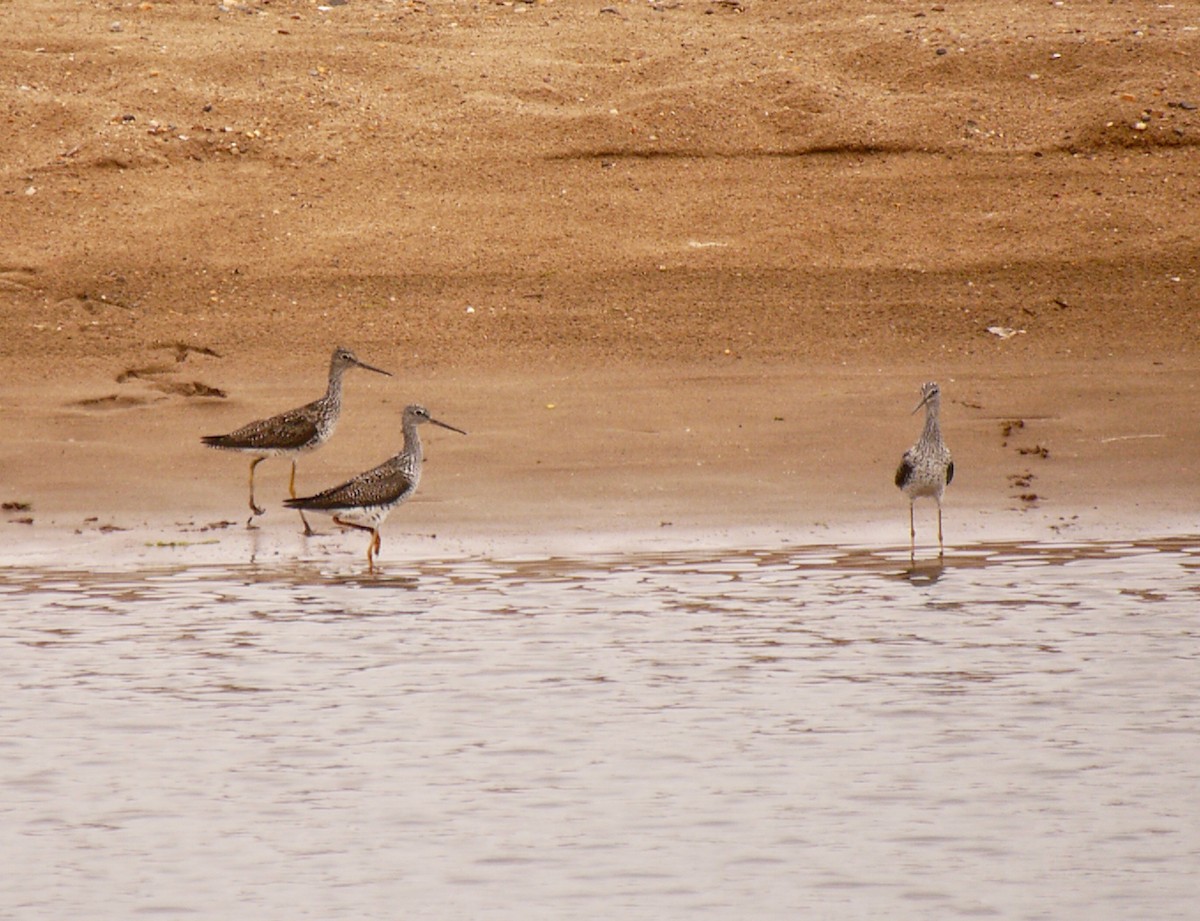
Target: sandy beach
x=678 y=268
x=649 y=642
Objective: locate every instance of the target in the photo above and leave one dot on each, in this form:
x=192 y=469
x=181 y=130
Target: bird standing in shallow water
x=927 y=467
x=295 y=431
x=365 y=501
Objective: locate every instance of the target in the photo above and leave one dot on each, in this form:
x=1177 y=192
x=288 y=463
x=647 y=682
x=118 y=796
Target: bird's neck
x=333 y=393
x=932 y=432
x=412 y=442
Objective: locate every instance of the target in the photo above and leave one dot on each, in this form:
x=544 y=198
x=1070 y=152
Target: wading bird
x=294 y=432
x=927 y=468
x=365 y=501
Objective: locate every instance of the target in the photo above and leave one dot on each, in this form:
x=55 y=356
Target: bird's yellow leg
x=343 y=523
x=308 y=531
x=254 y=508
x=372 y=545
x=941 y=545
x=912 y=533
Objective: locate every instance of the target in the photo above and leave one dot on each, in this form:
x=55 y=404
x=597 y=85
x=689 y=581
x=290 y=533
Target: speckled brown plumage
x=927 y=467
x=294 y=432
x=365 y=501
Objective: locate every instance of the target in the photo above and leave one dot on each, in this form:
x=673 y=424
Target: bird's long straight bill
x=367 y=367
x=924 y=400
x=445 y=426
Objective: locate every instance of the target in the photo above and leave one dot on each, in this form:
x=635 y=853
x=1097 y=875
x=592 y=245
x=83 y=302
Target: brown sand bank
x=726 y=241
x=1067 y=453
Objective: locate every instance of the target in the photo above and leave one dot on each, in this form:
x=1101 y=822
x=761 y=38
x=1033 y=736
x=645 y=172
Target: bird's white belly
x=368 y=518
x=921 y=489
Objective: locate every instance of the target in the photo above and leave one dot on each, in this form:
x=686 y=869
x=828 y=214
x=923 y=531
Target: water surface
x=820 y=732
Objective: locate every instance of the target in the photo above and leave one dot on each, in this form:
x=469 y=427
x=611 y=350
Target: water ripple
x=766 y=733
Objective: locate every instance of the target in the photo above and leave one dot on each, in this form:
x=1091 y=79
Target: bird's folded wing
x=285 y=431
x=380 y=486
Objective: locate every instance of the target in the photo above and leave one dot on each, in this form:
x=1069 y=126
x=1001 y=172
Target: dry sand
x=679 y=267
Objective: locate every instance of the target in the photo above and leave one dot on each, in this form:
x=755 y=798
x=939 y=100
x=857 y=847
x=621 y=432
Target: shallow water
x=804 y=733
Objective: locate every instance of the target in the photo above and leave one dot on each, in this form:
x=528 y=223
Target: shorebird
x=927 y=467
x=365 y=501
x=293 y=432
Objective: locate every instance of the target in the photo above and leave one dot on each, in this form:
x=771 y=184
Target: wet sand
x=622 y=457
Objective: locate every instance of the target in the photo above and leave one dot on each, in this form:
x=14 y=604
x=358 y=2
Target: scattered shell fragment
x=1004 y=332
